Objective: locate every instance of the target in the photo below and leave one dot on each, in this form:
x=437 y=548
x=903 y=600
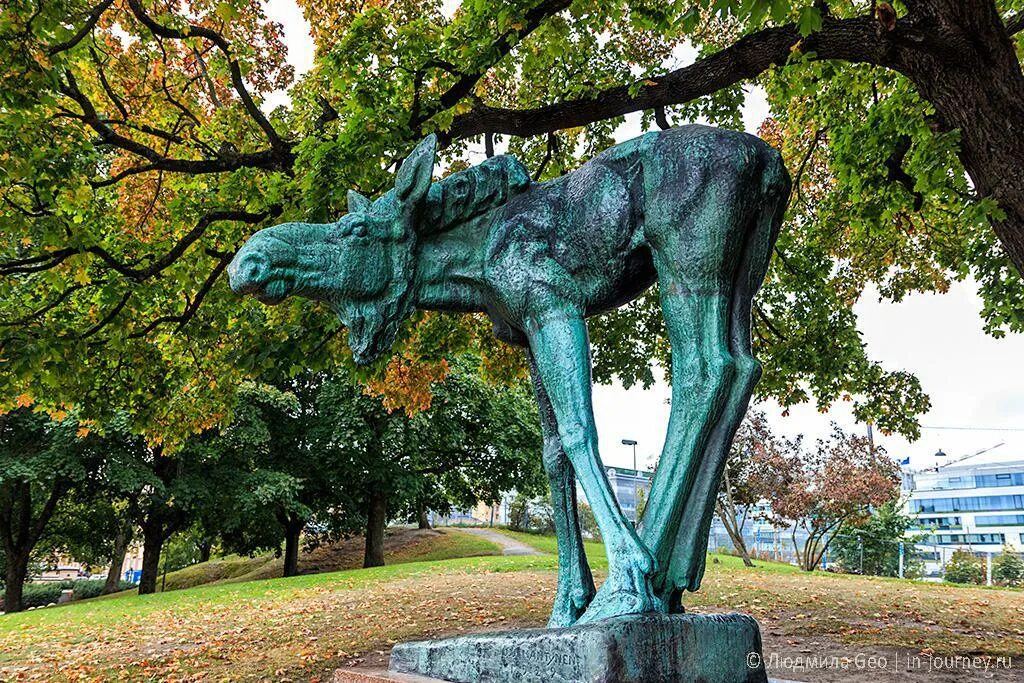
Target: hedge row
x=42 y=594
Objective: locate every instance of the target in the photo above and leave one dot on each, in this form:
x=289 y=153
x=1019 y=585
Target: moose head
x=362 y=266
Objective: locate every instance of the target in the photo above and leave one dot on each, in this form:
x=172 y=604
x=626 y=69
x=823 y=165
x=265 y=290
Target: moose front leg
x=575 y=582
x=561 y=352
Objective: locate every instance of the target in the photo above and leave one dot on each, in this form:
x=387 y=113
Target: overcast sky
x=974 y=381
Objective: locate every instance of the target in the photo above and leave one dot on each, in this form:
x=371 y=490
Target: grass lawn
x=301 y=628
x=400 y=546
x=597 y=558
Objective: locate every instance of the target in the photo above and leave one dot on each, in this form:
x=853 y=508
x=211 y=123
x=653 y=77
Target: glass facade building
x=981 y=503
x=627 y=486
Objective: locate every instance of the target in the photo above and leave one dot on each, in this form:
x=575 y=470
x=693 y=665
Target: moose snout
x=248 y=271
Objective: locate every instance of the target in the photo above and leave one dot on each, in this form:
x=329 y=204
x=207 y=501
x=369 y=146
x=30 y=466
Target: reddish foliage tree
x=748 y=479
x=823 y=490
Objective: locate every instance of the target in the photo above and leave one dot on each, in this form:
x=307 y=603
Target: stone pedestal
x=683 y=648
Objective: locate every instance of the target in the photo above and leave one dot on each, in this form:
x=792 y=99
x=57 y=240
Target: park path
x=509 y=546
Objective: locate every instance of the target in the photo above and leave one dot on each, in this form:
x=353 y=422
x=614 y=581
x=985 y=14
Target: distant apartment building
x=63 y=567
x=976 y=506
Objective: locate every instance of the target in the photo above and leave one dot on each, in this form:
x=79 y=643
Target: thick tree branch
x=159 y=162
x=502 y=46
x=852 y=40
x=282 y=148
x=90 y=23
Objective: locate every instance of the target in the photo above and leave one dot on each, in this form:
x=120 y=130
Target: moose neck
x=449 y=270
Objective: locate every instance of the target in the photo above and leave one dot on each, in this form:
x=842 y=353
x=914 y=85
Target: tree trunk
x=152 y=544
x=15 y=573
x=735 y=532
x=205 y=549
x=121 y=541
x=973 y=79
x=376 y=519
x=292 y=532
x=21 y=532
x=422 y=519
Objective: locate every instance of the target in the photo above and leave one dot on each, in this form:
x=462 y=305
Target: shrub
x=519 y=513
x=964 y=567
x=42 y=594
x=588 y=523
x=1008 y=569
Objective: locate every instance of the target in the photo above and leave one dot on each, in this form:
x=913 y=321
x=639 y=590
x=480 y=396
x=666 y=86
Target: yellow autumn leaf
x=24 y=400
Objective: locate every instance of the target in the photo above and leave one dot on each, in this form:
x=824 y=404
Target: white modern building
x=975 y=505
x=627 y=485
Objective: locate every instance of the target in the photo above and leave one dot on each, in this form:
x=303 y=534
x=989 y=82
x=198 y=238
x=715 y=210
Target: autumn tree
x=138 y=151
x=824 y=490
x=747 y=479
x=41 y=462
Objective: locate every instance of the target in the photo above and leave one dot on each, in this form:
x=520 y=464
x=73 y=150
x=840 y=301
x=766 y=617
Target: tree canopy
x=138 y=153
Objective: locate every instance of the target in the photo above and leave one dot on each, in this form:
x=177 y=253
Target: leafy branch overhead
x=140 y=148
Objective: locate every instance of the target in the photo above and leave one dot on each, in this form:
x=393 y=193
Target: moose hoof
x=614 y=599
x=568 y=606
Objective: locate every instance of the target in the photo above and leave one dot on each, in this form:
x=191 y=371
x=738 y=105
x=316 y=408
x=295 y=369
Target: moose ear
x=413 y=179
x=357 y=202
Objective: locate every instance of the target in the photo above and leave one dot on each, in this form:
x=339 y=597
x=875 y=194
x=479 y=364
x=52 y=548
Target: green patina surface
x=695 y=209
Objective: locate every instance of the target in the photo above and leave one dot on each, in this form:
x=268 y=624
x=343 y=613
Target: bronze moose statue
x=695 y=209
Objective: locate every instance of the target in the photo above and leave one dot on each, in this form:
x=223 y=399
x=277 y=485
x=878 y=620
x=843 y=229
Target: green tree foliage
x=319 y=454
x=41 y=462
x=964 y=567
x=1008 y=568
x=872 y=546
x=138 y=152
x=93 y=526
x=475 y=441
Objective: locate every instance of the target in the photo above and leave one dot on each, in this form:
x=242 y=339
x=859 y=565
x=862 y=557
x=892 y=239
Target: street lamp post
x=636 y=475
x=631 y=442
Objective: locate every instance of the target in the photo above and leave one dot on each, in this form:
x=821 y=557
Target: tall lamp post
x=636 y=475
x=631 y=442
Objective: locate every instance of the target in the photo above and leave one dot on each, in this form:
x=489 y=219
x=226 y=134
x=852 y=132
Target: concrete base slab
x=378 y=676
x=652 y=648
x=383 y=676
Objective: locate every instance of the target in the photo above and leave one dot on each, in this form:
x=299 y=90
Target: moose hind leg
x=575 y=581
x=703 y=372
x=696 y=242
x=686 y=569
